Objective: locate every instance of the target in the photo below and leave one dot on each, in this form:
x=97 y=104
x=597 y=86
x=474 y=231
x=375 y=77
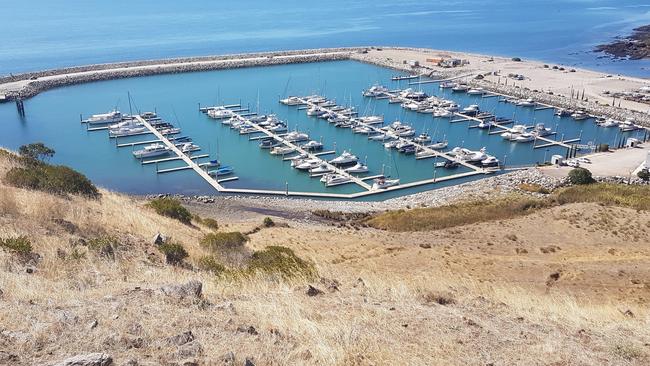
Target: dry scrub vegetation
x=309 y=293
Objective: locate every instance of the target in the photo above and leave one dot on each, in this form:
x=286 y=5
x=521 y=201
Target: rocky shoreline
x=492 y=187
x=634 y=47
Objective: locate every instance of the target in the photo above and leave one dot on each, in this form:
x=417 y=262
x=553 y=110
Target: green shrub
x=104 y=246
x=18 y=245
x=644 y=174
x=281 y=261
x=580 y=176
x=268 y=222
x=171 y=207
x=211 y=223
x=56 y=179
x=516 y=59
x=222 y=242
x=211 y=264
x=174 y=253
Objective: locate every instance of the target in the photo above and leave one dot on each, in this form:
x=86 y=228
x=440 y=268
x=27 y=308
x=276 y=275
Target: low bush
x=580 y=176
x=211 y=264
x=222 y=242
x=56 y=179
x=210 y=223
x=644 y=174
x=637 y=197
x=533 y=188
x=171 y=207
x=104 y=246
x=280 y=261
x=174 y=253
x=36 y=151
x=268 y=222
x=18 y=245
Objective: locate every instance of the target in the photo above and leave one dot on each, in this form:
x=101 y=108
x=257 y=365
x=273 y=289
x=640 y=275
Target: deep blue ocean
x=40 y=34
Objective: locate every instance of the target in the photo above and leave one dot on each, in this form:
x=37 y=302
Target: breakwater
x=30 y=84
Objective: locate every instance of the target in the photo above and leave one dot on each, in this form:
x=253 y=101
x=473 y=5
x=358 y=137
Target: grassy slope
x=385 y=311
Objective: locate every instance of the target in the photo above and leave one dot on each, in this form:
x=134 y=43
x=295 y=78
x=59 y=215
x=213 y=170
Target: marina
x=415 y=155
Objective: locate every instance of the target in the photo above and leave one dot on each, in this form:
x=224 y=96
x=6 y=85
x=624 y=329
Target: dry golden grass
x=382 y=293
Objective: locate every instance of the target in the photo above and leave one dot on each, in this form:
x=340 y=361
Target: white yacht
x=219 y=113
x=476 y=91
x=282 y=150
x=372 y=120
x=129 y=130
x=295 y=136
x=151 y=151
x=364 y=130
x=460 y=88
x=291 y=101
x=189 y=147
x=447 y=85
x=357 y=168
x=541 y=130
x=439 y=145
x=392 y=144
x=609 y=123
x=526 y=103
x=375 y=91
x=490 y=161
x=315 y=111
x=320 y=169
x=345 y=158
x=579 y=116
x=627 y=126
x=309 y=164
x=110 y=117
x=313 y=146
x=471 y=110
x=380 y=137
x=442 y=113
x=513 y=132
x=484 y=124
x=383 y=183
x=334 y=179
x=524 y=137
x=423 y=138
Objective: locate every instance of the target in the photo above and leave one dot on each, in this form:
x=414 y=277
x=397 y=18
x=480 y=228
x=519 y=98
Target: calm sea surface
x=42 y=34
x=39 y=34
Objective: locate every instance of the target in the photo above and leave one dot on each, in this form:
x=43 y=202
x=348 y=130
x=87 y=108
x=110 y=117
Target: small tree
x=580 y=176
x=36 y=151
x=644 y=174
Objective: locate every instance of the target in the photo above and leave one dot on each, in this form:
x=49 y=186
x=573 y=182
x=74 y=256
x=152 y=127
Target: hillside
x=562 y=285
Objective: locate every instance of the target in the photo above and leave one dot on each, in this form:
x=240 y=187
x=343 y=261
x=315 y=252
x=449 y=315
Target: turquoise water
x=53 y=117
x=40 y=34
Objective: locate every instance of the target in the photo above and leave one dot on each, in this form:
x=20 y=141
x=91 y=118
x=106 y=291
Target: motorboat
x=364 y=130
x=230 y=121
x=579 y=116
x=280 y=127
x=149 y=115
x=219 y=113
x=269 y=143
x=627 y=126
x=563 y=113
x=313 y=146
x=526 y=103
x=248 y=130
x=524 y=137
x=447 y=85
x=212 y=164
x=609 y=123
x=323 y=168
x=375 y=91
x=151 y=151
x=541 y=130
x=127 y=131
x=282 y=150
x=371 y=120
x=392 y=144
x=383 y=183
x=334 y=179
x=126 y=123
x=315 y=111
x=168 y=130
x=513 y=132
x=423 y=138
x=484 y=124
x=447 y=164
x=490 y=161
x=358 y=168
x=471 y=110
x=345 y=158
x=405 y=131
x=442 y=113
x=308 y=164
x=103 y=118
x=438 y=145
x=408 y=149
x=476 y=91
x=291 y=101
x=188 y=147
x=295 y=136
x=468 y=155
x=224 y=170
x=381 y=137
x=459 y=88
